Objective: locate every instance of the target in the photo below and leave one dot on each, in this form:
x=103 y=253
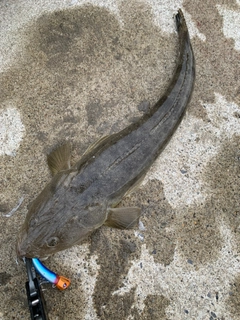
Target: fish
x=82 y=198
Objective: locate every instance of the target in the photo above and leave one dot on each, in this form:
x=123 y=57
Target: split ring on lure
x=60 y=282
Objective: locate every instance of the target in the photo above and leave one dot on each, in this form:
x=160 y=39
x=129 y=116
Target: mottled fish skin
x=78 y=200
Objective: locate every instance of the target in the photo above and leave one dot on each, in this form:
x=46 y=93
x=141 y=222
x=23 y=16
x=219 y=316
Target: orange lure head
x=62 y=283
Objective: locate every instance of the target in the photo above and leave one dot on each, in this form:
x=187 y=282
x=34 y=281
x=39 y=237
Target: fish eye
x=52 y=242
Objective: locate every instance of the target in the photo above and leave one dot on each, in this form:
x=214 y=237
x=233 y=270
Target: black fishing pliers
x=36 y=301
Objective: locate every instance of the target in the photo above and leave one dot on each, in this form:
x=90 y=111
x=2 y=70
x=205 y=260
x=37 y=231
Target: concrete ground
x=76 y=71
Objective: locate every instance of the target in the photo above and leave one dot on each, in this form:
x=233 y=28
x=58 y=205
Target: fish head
x=40 y=233
x=57 y=221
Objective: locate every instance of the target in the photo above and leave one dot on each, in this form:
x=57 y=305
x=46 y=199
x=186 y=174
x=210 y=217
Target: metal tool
x=36 y=302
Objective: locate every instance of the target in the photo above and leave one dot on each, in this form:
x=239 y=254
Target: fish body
x=80 y=199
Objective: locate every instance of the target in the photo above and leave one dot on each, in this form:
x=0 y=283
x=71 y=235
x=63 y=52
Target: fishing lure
x=60 y=282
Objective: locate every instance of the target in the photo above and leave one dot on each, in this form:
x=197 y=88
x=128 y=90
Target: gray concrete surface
x=71 y=71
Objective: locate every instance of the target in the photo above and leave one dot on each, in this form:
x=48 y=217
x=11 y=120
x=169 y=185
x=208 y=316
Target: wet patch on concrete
x=4 y=278
x=115 y=252
x=198 y=228
x=116 y=249
x=222 y=176
x=198 y=234
x=154 y=308
x=65 y=305
x=158 y=218
x=217 y=62
x=12 y=294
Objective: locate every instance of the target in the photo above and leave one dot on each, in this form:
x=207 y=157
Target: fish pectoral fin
x=123 y=218
x=59 y=159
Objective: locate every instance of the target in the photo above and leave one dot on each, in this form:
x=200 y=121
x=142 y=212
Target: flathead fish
x=82 y=198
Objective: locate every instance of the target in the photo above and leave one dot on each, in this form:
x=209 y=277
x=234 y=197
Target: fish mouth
x=23 y=250
x=20 y=248
x=23 y=253
x=20 y=252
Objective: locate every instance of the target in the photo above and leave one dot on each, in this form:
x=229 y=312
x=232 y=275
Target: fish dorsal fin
x=95 y=144
x=59 y=159
x=123 y=218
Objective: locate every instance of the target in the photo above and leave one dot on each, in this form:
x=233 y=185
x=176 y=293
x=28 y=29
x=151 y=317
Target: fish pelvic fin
x=123 y=218
x=59 y=159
